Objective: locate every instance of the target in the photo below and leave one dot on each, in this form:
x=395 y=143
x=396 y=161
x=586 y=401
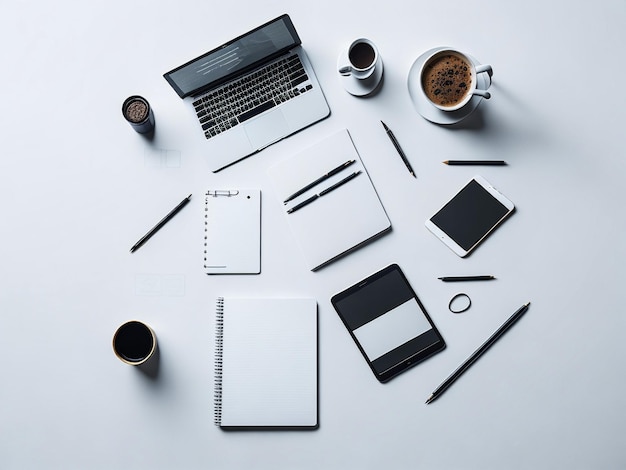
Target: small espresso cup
x=362 y=59
x=138 y=112
x=134 y=343
x=449 y=79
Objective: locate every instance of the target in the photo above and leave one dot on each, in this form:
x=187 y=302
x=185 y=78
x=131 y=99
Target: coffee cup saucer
x=358 y=87
x=425 y=107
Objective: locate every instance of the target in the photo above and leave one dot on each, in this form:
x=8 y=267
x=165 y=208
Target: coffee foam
x=447 y=79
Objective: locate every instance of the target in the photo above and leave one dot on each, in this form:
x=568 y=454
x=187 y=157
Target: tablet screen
x=388 y=322
x=470 y=215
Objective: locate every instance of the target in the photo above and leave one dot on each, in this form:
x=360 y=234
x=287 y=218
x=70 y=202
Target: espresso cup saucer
x=357 y=87
x=426 y=108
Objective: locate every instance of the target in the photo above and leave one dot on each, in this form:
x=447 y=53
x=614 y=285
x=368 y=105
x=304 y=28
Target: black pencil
x=466 y=278
x=479 y=352
x=474 y=162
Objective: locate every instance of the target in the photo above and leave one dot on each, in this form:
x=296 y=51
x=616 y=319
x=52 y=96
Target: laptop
x=251 y=92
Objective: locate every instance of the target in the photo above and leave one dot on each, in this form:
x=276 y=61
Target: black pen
x=466 y=278
x=161 y=223
x=326 y=191
x=398 y=148
x=332 y=172
x=479 y=352
x=474 y=162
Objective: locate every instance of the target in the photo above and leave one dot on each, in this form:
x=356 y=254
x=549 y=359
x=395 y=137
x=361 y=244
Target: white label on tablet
x=392 y=329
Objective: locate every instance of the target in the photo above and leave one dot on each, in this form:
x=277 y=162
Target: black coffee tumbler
x=138 y=113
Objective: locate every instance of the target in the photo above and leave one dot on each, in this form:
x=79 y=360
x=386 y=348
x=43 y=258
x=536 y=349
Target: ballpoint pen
x=332 y=172
x=398 y=148
x=479 y=352
x=325 y=191
x=161 y=223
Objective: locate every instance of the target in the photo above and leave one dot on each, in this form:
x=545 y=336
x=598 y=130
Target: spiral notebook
x=266 y=363
x=232 y=231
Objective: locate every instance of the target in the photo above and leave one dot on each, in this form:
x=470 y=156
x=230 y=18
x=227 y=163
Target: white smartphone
x=472 y=214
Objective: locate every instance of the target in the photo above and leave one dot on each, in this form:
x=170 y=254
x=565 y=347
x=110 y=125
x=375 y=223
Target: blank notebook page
x=339 y=221
x=269 y=363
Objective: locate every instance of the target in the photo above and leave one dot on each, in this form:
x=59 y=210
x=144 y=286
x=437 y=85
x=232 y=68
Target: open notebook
x=266 y=363
x=340 y=220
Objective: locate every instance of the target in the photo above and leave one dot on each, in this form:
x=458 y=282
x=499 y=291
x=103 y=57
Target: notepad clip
x=223 y=192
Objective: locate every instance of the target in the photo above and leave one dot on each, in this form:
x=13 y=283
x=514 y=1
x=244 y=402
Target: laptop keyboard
x=226 y=107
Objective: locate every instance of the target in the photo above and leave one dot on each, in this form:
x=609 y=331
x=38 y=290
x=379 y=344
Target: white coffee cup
x=444 y=78
x=362 y=59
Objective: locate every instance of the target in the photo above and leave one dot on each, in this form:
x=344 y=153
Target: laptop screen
x=240 y=54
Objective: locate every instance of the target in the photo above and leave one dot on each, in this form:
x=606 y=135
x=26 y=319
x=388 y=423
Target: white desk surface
x=79 y=187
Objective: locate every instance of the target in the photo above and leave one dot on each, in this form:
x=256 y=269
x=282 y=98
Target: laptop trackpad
x=267 y=129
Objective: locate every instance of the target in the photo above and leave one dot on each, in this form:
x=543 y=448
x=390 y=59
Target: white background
x=79 y=187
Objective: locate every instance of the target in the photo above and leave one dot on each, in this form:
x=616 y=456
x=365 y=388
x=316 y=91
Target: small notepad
x=266 y=363
x=232 y=231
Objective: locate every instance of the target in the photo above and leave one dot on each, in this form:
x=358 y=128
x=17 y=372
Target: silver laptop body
x=251 y=92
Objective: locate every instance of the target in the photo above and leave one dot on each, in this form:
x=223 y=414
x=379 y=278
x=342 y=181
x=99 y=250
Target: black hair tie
x=460 y=296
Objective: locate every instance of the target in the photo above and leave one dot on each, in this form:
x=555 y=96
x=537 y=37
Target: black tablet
x=388 y=322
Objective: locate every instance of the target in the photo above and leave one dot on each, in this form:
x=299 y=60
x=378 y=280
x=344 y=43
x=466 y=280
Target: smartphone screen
x=388 y=322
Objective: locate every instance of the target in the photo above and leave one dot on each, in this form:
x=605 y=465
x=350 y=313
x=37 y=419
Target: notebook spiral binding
x=219 y=328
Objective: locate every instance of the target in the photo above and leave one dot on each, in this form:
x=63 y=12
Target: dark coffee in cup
x=138 y=113
x=361 y=55
x=447 y=79
x=134 y=342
